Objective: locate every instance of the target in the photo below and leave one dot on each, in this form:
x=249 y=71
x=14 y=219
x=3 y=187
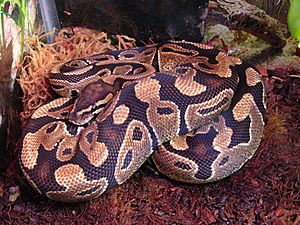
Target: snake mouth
x=80 y=120
x=85 y=118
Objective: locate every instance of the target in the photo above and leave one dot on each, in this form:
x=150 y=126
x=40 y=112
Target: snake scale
x=197 y=112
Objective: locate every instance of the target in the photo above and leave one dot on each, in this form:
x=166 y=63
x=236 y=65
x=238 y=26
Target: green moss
x=294 y=19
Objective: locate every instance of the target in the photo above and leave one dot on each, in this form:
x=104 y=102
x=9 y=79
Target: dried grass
x=42 y=57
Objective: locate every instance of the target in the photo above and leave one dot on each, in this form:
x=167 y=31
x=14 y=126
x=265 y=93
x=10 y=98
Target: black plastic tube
x=50 y=18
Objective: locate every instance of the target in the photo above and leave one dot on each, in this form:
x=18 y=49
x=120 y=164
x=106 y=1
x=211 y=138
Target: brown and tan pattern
x=95 y=151
x=186 y=85
x=135 y=149
x=179 y=143
x=120 y=114
x=73 y=179
x=167 y=163
x=171 y=55
x=147 y=56
x=253 y=77
x=47 y=136
x=124 y=70
x=201 y=109
x=241 y=152
x=222 y=68
x=194 y=117
x=223 y=138
x=242 y=108
x=159 y=112
x=67 y=148
x=57 y=104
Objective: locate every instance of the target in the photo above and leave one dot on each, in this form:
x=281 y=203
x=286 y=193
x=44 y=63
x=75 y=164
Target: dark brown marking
x=43 y=171
x=164 y=110
x=224 y=160
x=182 y=165
x=67 y=151
x=137 y=134
x=51 y=128
x=127 y=160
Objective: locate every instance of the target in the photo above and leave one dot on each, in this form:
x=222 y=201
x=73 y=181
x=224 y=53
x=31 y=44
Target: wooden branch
x=240 y=15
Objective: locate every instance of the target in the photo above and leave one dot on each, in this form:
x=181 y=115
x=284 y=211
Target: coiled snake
x=196 y=111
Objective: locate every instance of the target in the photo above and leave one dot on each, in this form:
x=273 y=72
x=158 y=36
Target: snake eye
x=74 y=93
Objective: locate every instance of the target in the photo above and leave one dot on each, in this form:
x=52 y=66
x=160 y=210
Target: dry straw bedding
x=69 y=44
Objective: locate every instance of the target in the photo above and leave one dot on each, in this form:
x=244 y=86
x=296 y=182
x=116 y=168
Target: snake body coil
x=196 y=111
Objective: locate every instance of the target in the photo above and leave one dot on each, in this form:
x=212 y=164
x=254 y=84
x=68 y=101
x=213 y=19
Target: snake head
x=86 y=109
x=91 y=101
x=80 y=117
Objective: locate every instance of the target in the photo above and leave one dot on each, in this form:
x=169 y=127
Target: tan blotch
x=44 y=110
x=79 y=71
x=222 y=68
x=147 y=89
x=242 y=152
x=141 y=71
x=122 y=70
x=165 y=126
x=165 y=162
x=169 y=60
x=242 y=109
x=67 y=148
x=72 y=177
x=186 y=85
x=120 y=114
x=223 y=138
x=96 y=152
x=194 y=119
x=29 y=153
x=124 y=55
x=101 y=58
x=252 y=77
x=140 y=151
x=147 y=56
x=103 y=73
x=32 y=141
x=179 y=143
x=56 y=131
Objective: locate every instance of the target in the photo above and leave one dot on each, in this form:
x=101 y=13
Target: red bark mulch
x=265 y=191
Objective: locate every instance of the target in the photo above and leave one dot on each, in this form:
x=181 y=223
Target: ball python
x=197 y=112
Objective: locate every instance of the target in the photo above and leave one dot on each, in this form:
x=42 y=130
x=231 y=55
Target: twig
x=240 y=15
